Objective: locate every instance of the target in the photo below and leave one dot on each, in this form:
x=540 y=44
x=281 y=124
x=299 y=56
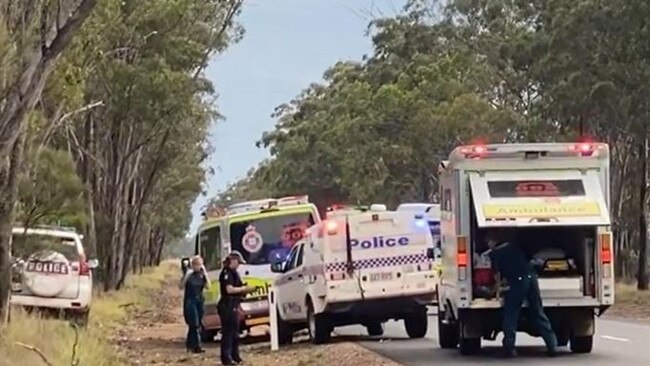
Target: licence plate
x=16 y=287
x=381 y=276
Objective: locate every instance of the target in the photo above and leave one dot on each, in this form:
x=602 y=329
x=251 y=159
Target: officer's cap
x=236 y=255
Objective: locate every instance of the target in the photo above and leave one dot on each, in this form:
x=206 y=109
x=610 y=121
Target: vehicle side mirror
x=278 y=267
x=430 y=253
x=185 y=265
x=93 y=264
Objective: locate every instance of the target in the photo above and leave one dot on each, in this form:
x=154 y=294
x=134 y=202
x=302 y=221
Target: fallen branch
x=74 y=360
x=127 y=305
x=35 y=350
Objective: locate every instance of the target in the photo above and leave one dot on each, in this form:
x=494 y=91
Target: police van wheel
x=447 y=333
x=375 y=329
x=582 y=344
x=469 y=346
x=285 y=332
x=416 y=323
x=320 y=330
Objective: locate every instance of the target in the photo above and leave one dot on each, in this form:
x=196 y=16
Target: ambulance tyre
x=320 y=329
x=375 y=329
x=447 y=333
x=582 y=344
x=416 y=323
x=285 y=332
x=469 y=346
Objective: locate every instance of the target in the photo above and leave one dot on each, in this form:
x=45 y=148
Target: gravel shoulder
x=154 y=335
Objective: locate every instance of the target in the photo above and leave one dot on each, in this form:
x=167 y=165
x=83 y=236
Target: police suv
x=357 y=268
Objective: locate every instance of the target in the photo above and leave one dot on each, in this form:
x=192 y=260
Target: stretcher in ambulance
x=359 y=268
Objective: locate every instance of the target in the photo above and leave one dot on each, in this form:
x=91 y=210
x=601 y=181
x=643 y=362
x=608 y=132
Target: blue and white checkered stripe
x=379 y=262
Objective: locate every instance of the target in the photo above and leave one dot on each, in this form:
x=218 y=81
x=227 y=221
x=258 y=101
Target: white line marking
x=615 y=338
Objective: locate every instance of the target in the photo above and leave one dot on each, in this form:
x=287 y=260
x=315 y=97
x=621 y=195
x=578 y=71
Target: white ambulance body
x=554 y=200
x=358 y=268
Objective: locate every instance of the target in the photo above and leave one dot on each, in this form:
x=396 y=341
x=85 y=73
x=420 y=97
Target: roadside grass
x=630 y=302
x=55 y=339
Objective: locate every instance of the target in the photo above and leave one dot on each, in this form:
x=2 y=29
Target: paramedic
x=232 y=291
x=512 y=264
x=194 y=281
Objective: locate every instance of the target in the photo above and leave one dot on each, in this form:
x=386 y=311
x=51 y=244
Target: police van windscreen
x=538 y=188
x=268 y=240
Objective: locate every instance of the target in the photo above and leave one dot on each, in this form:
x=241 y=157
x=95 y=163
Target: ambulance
x=554 y=200
x=357 y=267
x=263 y=231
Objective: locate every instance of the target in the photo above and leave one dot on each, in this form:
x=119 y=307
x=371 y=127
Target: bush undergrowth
x=55 y=338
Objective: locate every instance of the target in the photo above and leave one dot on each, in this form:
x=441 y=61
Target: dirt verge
x=154 y=335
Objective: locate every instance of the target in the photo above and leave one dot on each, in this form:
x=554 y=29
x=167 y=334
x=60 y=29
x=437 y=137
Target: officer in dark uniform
x=513 y=265
x=232 y=291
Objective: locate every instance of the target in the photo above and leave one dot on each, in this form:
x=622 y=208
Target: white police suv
x=357 y=268
x=51 y=272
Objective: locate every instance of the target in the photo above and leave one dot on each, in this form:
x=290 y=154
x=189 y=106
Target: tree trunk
x=642 y=275
x=8 y=196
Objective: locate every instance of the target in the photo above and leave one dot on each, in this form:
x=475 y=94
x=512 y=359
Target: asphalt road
x=616 y=342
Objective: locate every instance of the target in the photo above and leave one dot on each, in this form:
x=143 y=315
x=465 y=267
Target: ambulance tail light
x=461 y=257
x=605 y=240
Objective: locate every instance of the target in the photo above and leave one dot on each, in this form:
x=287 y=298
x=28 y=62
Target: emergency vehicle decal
x=252 y=241
x=588 y=208
x=379 y=262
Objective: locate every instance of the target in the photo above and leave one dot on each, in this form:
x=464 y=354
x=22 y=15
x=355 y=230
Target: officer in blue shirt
x=193 y=282
x=513 y=265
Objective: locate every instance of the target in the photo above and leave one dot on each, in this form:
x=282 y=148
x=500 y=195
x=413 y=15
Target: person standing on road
x=194 y=282
x=232 y=291
x=511 y=262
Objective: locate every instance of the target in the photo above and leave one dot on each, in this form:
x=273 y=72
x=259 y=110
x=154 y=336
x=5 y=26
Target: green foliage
x=51 y=192
x=449 y=73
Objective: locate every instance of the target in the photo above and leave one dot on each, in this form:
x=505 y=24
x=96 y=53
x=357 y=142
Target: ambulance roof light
x=377 y=207
x=473 y=151
x=585 y=148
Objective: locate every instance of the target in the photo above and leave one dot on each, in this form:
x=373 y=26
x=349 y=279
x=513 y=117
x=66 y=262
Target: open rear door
x=538 y=198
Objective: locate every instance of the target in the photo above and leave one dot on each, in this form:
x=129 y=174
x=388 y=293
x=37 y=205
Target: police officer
x=514 y=267
x=194 y=281
x=232 y=291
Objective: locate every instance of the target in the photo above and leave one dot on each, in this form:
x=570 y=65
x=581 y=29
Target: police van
x=357 y=268
x=554 y=200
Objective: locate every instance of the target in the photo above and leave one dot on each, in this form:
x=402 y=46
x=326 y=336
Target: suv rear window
x=540 y=188
x=25 y=245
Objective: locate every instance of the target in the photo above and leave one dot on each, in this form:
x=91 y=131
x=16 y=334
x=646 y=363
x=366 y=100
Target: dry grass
x=55 y=338
x=631 y=303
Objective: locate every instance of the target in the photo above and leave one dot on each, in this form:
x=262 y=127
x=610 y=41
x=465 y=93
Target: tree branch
x=35 y=350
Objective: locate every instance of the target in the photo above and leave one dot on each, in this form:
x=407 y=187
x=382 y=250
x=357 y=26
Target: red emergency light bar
x=586 y=149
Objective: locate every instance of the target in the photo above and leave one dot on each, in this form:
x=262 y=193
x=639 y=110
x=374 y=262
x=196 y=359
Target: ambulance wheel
x=375 y=329
x=416 y=323
x=285 y=332
x=320 y=329
x=469 y=346
x=582 y=344
x=208 y=335
x=447 y=332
